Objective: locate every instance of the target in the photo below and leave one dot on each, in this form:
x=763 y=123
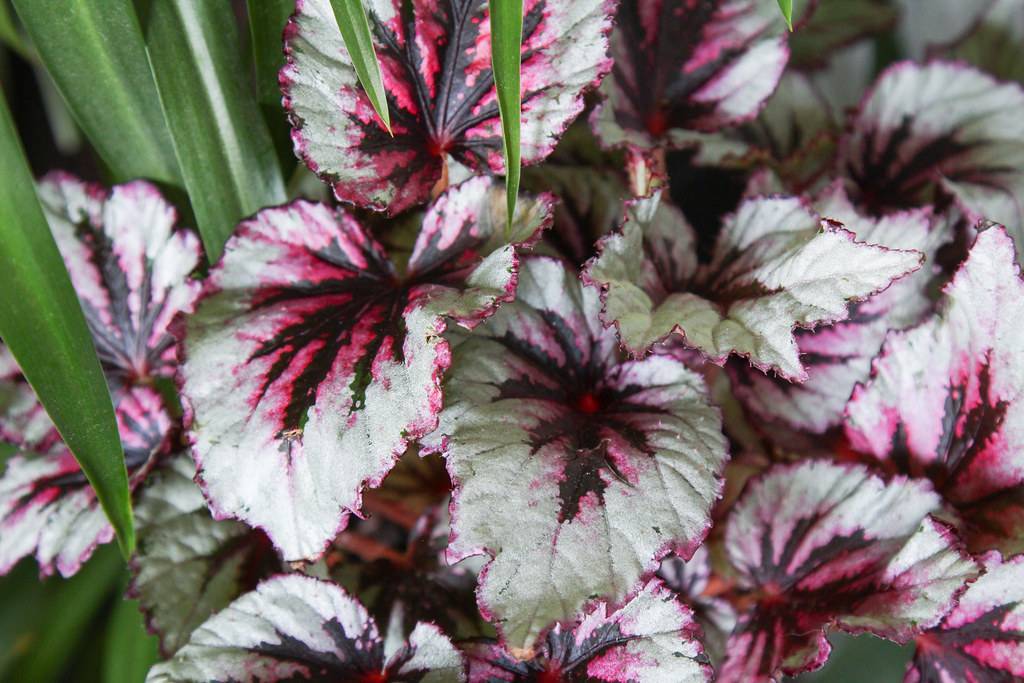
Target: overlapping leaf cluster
x=743 y=368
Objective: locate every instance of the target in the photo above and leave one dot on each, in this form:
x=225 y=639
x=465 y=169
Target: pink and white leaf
x=982 y=639
x=946 y=399
x=312 y=362
x=684 y=66
x=609 y=463
x=435 y=58
x=819 y=545
x=939 y=128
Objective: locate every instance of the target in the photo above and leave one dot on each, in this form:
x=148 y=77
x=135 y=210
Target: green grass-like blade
x=355 y=31
x=95 y=53
x=43 y=325
x=225 y=153
x=506 y=47
x=787 y=12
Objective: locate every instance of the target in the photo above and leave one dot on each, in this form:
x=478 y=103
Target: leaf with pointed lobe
x=775 y=266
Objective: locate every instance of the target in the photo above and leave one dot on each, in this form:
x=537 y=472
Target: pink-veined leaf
x=189 y=565
x=47 y=507
x=301 y=628
x=946 y=398
x=775 y=265
x=652 y=637
x=131 y=270
x=435 y=58
x=603 y=465
x=838 y=356
x=940 y=128
x=818 y=545
x=683 y=66
x=982 y=639
x=312 y=360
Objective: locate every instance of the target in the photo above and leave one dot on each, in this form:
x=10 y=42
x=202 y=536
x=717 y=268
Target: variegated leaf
x=47 y=507
x=942 y=127
x=775 y=266
x=691 y=580
x=683 y=66
x=300 y=628
x=946 y=399
x=817 y=545
x=312 y=361
x=649 y=639
x=435 y=58
x=982 y=639
x=608 y=463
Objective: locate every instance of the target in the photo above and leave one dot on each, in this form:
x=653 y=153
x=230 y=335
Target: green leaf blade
x=355 y=31
x=43 y=325
x=95 y=53
x=786 y=7
x=506 y=60
x=225 y=152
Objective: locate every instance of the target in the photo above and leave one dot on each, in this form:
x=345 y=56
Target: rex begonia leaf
x=294 y=628
x=939 y=127
x=839 y=356
x=312 y=361
x=652 y=637
x=47 y=507
x=946 y=398
x=686 y=66
x=435 y=58
x=832 y=26
x=189 y=565
x=775 y=266
x=609 y=464
x=130 y=269
x=982 y=639
x=129 y=266
x=816 y=545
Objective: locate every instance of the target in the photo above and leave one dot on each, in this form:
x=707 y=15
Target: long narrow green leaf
x=787 y=12
x=506 y=46
x=224 y=150
x=95 y=53
x=355 y=31
x=267 y=19
x=9 y=35
x=43 y=326
x=129 y=650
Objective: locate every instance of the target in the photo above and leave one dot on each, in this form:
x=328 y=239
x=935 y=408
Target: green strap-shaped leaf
x=224 y=150
x=267 y=19
x=95 y=53
x=355 y=31
x=43 y=326
x=506 y=45
x=129 y=650
x=9 y=35
x=787 y=12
